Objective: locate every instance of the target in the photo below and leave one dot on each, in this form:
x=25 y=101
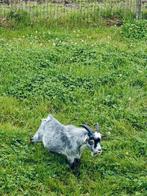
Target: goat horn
x=90 y=131
x=97 y=127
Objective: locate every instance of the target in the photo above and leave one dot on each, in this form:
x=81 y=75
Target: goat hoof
x=75 y=164
x=72 y=166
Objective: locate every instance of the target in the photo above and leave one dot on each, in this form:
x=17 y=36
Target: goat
x=67 y=140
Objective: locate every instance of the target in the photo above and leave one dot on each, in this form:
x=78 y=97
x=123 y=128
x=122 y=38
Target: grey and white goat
x=67 y=140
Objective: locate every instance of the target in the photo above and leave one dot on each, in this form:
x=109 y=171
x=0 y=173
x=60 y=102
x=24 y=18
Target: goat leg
x=75 y=164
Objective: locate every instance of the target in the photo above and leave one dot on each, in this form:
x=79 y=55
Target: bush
x=19 y=17
x=135 y=30
x=144 y=14
x=117 y=13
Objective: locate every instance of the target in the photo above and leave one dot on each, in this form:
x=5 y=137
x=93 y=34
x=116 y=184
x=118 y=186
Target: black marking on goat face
x=91 y=142
x=94 y=144
x=96 y=141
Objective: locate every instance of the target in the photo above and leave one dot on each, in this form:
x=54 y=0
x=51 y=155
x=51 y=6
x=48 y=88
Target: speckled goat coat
x=63 y=139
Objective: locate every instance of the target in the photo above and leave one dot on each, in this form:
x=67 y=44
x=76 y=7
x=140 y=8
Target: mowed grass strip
x=86 y=75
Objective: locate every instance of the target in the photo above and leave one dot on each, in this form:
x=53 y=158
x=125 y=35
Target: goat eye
x=91 y=142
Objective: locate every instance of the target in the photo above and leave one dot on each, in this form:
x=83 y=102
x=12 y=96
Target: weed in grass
x=135 y=30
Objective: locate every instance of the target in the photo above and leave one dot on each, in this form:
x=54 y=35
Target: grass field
x=82 y=75
x=77 y=11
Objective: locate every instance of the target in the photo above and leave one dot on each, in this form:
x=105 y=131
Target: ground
x=83 y=75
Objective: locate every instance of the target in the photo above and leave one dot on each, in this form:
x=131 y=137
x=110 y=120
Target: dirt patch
x=4 y=22
x=114 y=21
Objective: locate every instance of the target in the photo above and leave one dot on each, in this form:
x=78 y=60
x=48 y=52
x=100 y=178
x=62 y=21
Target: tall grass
x=78 y=18
x=85 y=14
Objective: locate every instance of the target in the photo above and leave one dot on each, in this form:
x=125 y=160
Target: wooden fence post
x=138 y=9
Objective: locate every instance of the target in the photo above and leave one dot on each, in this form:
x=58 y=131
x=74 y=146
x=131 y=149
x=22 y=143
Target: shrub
x=135 y=30
x=144 y=14
x=117 y=13
x=19 y=17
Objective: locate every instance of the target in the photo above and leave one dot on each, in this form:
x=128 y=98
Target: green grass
x=82 y=75
x=51 y=14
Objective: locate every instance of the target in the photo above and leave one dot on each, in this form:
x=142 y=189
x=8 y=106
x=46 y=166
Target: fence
x=76 y=9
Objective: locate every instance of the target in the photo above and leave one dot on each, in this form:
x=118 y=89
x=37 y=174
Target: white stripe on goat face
x=97 y=135
x=98 y=149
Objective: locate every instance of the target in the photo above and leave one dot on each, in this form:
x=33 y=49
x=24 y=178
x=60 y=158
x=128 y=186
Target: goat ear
x=97 y=127
x=86 y=138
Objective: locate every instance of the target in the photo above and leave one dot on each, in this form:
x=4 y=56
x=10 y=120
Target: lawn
x=82 y=75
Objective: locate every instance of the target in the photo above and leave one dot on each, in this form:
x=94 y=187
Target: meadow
x=79 y=75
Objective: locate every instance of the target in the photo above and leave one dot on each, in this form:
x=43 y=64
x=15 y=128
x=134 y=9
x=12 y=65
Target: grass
x=82 y=75
x=83 y=13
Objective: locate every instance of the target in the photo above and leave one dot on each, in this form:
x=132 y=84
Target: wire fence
x=77 y=9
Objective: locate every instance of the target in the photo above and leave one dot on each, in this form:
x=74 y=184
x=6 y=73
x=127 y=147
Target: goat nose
x=100 y=151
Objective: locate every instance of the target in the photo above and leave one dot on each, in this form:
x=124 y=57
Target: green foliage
x=144 y=14
x=85 y=75
x=110 y=13
x=19 y=17
x=135 y=30
x=89 y=15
